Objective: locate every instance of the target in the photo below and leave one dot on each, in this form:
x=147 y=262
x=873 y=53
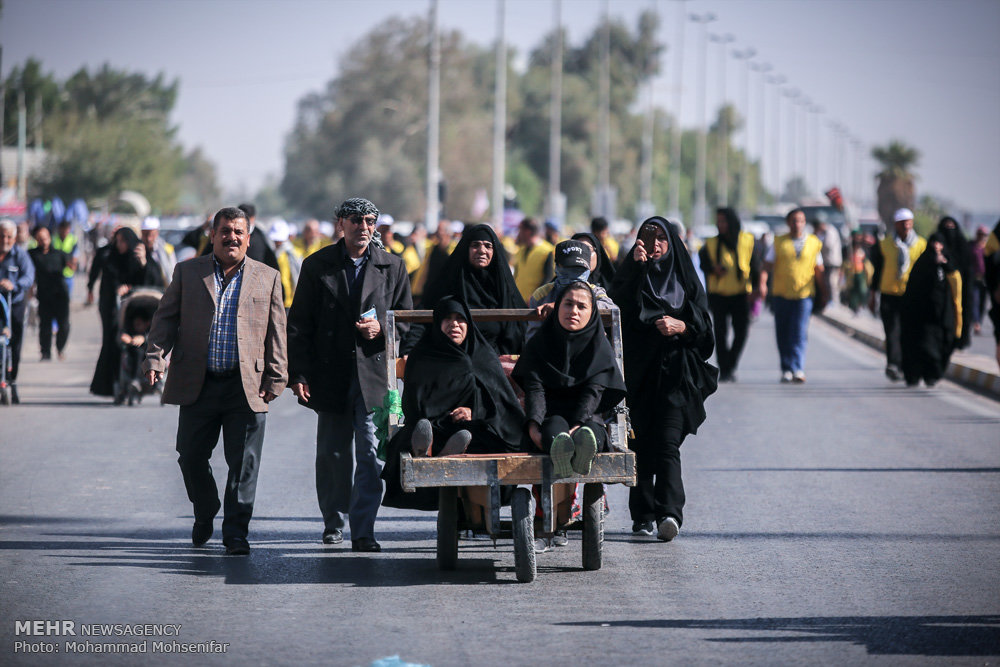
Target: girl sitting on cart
x=570 y=379
x=456 y=398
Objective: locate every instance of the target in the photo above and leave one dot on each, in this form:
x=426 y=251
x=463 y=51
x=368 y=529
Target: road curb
x=986 y=382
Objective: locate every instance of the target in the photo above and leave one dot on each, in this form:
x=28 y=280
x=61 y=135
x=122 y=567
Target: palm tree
x=895 y=181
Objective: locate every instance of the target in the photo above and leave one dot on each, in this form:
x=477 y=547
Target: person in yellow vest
x=289 y=262
x=534 y=261
x=310 y=240
x=65 y=241
x=796 y=261
x=599 y=227
x=731 y=269
x=893 y=257
x=931 y=313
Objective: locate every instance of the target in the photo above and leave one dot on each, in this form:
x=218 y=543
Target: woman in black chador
x=570 y=379
x=959 y=253
x=119 y=270
x=602 y=270
x=932 y=314
x=667 y=340
x=478 y=274
x=456 y=399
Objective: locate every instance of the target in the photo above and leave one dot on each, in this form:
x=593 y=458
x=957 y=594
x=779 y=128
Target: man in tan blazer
x=224 y=321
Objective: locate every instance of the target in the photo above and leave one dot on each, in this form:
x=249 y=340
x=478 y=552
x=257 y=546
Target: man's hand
x=267 y=396
x=123 y=289
x=369 y=328
x=152 y=377
x=544 y=310
x=461 y=415
x=670 y=326
x=6 y=285
x=871 y=302
x=90 y=298
x=301 y=389
x=640 y=254
x=140 y=254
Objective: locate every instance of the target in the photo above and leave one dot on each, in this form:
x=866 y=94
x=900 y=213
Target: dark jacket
x=324 y=347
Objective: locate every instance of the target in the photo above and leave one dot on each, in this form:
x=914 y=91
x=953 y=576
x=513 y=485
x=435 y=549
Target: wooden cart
x=477 y=478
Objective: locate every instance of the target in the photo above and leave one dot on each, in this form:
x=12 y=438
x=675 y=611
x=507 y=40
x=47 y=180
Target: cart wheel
x=447 y=529
x=524 y=532
x=5 y=396
x=593 y=525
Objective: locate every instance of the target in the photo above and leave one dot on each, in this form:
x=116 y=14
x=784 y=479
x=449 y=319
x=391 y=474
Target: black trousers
x=556 y=424
x=50 y=309
x=726 y=309
x=891 y=310
x=659 y=490
x=16 y=337
x=222 y=405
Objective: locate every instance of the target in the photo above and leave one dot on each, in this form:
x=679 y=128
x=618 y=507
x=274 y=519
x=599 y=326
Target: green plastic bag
x=391 y=405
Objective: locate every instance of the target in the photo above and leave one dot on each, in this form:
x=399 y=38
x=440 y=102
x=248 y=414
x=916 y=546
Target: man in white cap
x=289 y=262
x=893 y=257
x=159 y=255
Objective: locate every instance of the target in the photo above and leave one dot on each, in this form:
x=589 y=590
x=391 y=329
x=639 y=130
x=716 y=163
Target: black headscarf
x=604 y=274
x=731 y=239
x=559 y=358
x=492 y=287
x=661 y=370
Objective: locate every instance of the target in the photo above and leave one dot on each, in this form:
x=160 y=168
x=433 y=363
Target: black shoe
x=646 y=528
x=201 y=532
x=14 y=398
x=893 y=373
x=365 y=544
x=236 y=546
x=333 y=537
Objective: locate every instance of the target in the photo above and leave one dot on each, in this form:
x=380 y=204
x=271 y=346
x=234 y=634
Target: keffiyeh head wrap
x=356 y=206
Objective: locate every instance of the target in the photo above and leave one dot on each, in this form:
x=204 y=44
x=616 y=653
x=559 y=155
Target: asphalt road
x=846 y=520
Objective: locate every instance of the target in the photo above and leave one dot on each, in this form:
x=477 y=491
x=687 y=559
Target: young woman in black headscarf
x=119 y=270
x=667 y=340
x=478 y=274
x=456 y=399
x=932 y=314
x=959 y=253
x=602 y=269
x=570 y=379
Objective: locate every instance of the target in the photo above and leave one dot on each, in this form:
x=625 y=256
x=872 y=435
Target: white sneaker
x=786 y=376
x=667 y=529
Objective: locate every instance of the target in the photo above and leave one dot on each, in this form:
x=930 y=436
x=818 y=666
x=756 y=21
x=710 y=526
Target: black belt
x=223 y=375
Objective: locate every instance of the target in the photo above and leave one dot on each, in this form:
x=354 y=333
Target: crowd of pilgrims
x=551 y=385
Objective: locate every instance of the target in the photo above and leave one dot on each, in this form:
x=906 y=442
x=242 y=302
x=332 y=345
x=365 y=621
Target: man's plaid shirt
x=223 y=348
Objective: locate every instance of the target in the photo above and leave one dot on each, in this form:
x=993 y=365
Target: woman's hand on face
x=640 y=254
x=544 y=310
x=461 y=414
x=670 y=326
x=535 y=433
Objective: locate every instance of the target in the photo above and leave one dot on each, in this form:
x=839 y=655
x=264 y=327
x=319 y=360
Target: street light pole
x=555 y=121
x=700 y=203
x=433 y=120
x=791 y=94
x=499 y=120
x=723 y=184
x=744 y=201
x=816 y=111
x=762 y=69
x=675 y=130
x=604 y=121
x=777 y=82
x=646 y=208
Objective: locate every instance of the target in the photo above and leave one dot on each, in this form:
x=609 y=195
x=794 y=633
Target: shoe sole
x=561 y=454
x=585 y=449
x=666 y=531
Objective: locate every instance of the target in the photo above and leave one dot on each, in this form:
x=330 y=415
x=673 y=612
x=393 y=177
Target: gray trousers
x=347 y=471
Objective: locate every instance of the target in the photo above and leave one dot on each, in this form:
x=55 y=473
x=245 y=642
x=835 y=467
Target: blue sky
x=924 y=71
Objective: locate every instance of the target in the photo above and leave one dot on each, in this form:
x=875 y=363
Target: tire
x=593 y=526
x=5 y=396
x=522 y=518
x=447 y=528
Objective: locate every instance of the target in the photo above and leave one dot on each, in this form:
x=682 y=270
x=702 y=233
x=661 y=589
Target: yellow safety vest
x=992 y=245
x=794 y=274
x=733 y=282
x=954 y=279
x=529 y=267
x=892 y=284
x=66 y=245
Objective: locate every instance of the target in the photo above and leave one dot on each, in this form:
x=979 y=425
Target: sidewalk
x=976 y=371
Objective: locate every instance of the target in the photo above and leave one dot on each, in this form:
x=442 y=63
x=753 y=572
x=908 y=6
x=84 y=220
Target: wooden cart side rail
x=490 y=315
x=509 y=470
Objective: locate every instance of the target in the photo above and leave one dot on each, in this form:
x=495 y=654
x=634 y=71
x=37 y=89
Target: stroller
x=5 y=354
x=135 y=314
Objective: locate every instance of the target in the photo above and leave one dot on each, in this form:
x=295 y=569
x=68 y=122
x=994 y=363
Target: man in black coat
x=337 y=365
